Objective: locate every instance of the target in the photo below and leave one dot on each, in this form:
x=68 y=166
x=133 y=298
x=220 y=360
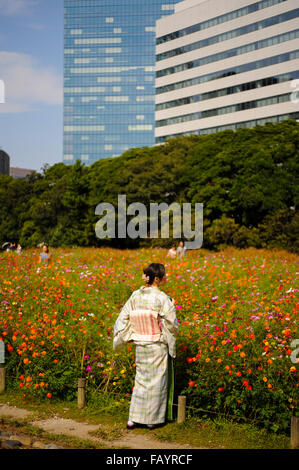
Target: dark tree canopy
x=247 y=181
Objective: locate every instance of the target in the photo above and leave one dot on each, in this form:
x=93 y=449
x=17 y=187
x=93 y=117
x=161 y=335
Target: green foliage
x=247 y=181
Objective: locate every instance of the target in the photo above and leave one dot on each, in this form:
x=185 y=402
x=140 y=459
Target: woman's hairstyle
x=154 y=270
x=47 y=250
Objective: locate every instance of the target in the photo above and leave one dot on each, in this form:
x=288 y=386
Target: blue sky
x=31 y=67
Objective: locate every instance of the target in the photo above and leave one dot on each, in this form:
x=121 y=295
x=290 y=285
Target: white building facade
x=225 y=64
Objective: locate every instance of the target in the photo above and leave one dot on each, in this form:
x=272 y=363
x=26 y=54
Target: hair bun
x=145 y=278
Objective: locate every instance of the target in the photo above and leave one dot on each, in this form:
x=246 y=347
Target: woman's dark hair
x=47 y=250
x=154 y=270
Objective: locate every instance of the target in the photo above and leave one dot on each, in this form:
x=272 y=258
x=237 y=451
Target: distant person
x=181 y=249
x=172 y=252
x=19 y=249
x=12 y=247
x=45 y=256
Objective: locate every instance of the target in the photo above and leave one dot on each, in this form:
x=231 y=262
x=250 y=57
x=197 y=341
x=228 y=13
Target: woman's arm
x=122 y=329
x=169 y=316
x=169 y=325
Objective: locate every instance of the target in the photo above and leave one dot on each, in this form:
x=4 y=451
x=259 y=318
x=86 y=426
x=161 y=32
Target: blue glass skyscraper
x=109 y=76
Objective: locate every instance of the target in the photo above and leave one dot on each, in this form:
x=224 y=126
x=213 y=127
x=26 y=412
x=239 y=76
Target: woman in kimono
x=149 y=320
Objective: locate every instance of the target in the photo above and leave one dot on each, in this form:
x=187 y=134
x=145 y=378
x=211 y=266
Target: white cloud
x=15 y=7
x=28 y=84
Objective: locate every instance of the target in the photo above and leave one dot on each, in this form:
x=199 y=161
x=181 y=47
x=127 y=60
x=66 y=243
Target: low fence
x=181 y=407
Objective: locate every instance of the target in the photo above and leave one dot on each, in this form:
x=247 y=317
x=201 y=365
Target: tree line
x=247 y=181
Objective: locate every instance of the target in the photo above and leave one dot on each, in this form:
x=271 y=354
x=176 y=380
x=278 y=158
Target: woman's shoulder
x=164 y=297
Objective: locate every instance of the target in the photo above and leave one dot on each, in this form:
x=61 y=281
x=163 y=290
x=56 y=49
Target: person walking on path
x=149 y=320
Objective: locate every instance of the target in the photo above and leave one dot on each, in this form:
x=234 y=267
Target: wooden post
x=182 y=409
x=294 y=432
x=81 y=393
x=2 y=378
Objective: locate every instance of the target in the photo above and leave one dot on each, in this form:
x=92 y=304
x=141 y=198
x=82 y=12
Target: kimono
x=149 y=320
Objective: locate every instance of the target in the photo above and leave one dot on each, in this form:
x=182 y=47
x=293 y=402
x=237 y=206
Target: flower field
x=237 y=311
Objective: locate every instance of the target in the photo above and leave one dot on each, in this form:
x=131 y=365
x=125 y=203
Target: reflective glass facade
x=268 y=81
x=236 y=51
x=225 y=110
x=278 y=59
x=233 y=33
x=109 y=76
x=238 y=13
x=234 y=126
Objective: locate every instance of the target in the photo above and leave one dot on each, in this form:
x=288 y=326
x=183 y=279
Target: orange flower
x=265 y=379
x=49 y=395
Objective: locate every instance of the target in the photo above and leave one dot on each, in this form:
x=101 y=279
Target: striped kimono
x=149 y=320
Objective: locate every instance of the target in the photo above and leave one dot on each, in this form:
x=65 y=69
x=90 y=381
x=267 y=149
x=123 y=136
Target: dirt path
x=70 y=427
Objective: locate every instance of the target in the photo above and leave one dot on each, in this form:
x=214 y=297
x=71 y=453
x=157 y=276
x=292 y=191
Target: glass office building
x=109 y=76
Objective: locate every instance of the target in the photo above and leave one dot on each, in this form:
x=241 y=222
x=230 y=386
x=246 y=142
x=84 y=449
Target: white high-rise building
x=224 y=64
